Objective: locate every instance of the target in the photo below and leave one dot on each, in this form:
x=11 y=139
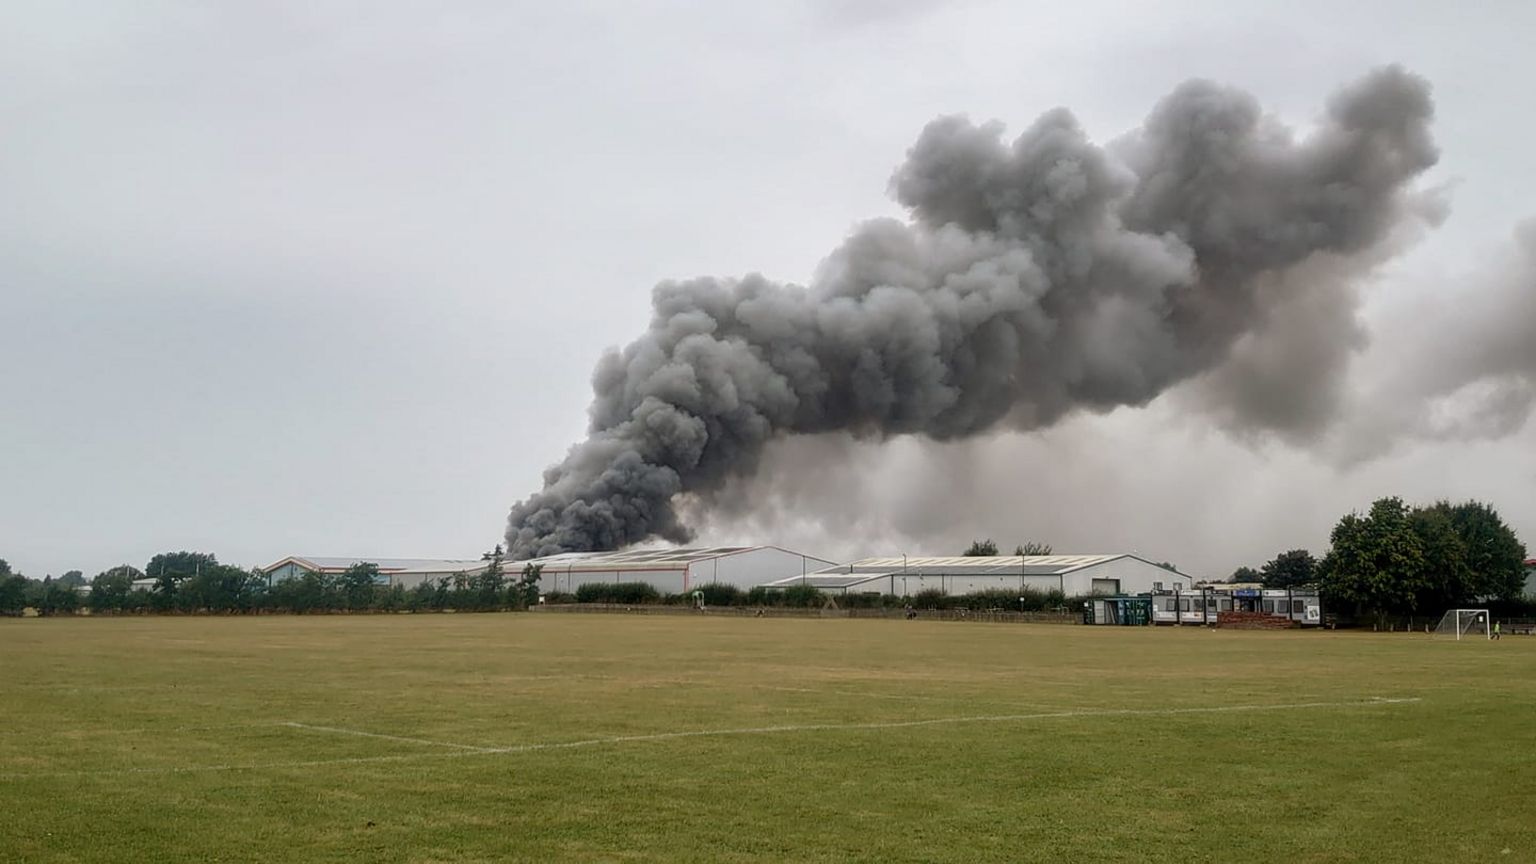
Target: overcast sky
x=330 y=278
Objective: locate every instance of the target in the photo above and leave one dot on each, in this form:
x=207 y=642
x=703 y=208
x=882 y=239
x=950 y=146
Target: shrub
x=559 y=598
x=632 y=593
x=931 y=598
x=802 y=596
x=717 y=594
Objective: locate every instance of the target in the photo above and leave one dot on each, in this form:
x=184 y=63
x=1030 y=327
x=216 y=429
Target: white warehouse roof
x=870 y=569
x=644 y=559
x=324 y=564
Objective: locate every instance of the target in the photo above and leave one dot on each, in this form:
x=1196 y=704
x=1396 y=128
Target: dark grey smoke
x=1036 y=278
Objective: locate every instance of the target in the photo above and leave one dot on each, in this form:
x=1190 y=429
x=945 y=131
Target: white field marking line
x=1375 y=701
x=960 y=697
x=943 y=721
x=361 y=734
x=141 y=730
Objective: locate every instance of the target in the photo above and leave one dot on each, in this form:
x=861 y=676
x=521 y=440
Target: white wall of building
x=744 y=570
x=1119 y=576
x=955 y=583
x=568 y=579
x=1133 y=575
x=747 y=570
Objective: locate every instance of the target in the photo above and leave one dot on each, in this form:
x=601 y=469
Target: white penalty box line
x=474 y=750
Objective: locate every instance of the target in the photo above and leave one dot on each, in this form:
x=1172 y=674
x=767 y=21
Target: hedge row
x=803 y=596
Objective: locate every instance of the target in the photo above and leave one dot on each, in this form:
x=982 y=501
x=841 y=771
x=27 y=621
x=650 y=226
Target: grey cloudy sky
x=331 y=278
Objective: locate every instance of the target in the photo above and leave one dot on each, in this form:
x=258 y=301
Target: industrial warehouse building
x=405 y=572
x=1072 y=575
x=673 y=571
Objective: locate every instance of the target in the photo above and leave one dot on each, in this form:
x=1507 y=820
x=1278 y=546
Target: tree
x=57 y=598
x=13 y=592
x=487 y=585
x=1446 y=577
x=358 y=583
x=1245 y=574
x=72 y=579
x=1376 y=562
x=170 y=569
x=1495 y=557
x=110 y=588
x=981 y=549
x=1033 y=548
x=1289 y=569
x=527 y=587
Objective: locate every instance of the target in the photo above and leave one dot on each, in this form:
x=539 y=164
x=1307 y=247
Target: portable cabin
x=1124 y=610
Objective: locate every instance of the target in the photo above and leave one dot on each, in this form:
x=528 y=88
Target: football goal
x=1464 y=624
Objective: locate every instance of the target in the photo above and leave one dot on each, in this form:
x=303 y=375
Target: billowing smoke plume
x=1036 y=278
x=1462 y=364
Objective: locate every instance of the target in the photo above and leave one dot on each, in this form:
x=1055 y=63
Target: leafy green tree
x=527 y=586
x=981 y=549
x=1289 y=569
x=1447 y=581
x=72 y=579
x=110 y=589
x=1376 y=563
x=220 y=588
x=56 y=598
x=1245 y=574
x=1495 y=557
x=13 y=593
x=358 y=585
x=179 y=565
x=169 y=570
x=391 y=599
x=1032 y=548
x=310 y=591
x=487 y=585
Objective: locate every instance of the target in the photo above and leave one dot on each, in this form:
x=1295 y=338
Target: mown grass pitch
x=242 y=739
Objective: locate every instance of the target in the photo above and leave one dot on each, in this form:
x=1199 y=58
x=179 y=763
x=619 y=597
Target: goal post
x=1464 y=624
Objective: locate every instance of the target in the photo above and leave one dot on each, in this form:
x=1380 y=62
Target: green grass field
x=437 y=738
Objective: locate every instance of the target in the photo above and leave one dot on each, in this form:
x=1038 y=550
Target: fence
x=997 y=616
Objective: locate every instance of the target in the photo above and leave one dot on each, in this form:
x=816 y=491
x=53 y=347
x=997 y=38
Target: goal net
x=1464 y=624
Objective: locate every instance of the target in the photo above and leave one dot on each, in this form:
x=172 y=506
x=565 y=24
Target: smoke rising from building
x=1037 y=278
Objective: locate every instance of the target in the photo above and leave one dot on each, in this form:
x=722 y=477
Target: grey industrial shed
x=1073 y=575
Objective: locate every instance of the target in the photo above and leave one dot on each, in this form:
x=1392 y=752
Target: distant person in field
x=1498 y=628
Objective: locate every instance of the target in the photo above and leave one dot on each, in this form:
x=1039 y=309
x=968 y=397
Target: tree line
x=1400 y=560
x=988 y=548
x=195 y=582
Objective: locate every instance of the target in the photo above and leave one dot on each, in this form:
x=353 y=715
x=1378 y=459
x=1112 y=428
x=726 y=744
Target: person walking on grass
x=1498 y=627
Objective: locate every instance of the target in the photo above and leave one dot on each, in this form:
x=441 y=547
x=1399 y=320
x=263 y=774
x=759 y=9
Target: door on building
x=1105 y=586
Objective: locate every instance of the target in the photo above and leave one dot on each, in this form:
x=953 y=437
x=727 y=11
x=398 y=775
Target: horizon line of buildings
x=681 y=570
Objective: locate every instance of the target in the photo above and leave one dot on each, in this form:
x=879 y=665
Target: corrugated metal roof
x=648 y=559
x=871 y=569
x=386 y=565
x=1029 y=565
x=823 y=581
